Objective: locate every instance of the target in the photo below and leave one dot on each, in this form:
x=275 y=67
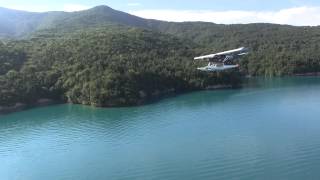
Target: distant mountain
x=17 y=24
x=22 y=24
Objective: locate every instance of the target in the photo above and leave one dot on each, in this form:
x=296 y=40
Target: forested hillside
x=10 y=59
x=104 y=57
x=106 y=67
x=275 y=50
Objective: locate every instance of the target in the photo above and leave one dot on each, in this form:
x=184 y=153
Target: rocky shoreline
x=22 y=106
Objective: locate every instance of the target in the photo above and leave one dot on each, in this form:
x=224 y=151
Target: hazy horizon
x=290 y=12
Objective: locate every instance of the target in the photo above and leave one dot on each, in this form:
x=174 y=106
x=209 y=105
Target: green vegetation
x=275 y=50
x=103 y=57
x=116 y=66
x=10 y=59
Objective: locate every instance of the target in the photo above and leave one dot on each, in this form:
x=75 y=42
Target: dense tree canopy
x=107 y=67
x=104 y=57
x=275 y=50
x=10 y=59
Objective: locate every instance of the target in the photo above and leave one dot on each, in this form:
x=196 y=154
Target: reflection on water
x=268 y=130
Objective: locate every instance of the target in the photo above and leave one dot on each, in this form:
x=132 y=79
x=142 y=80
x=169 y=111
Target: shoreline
x=4 y=110
x=22 y=106
x=308 y=74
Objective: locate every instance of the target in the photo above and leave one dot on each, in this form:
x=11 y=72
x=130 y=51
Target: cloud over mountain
x=299 y=16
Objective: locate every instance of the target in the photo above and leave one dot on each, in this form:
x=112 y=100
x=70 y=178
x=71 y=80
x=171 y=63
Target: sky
x=293 y=12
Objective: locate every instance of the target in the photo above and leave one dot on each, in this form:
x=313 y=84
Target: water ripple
x=266 y=133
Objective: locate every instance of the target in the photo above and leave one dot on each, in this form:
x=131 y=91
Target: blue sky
x=294 y=12
x=127 y=5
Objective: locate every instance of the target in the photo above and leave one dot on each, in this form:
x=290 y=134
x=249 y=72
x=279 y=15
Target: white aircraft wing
x=205 y=57
x=232 y=51
x=241 y=51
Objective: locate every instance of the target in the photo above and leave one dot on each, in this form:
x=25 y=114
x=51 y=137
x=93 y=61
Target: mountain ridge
x=21 y=24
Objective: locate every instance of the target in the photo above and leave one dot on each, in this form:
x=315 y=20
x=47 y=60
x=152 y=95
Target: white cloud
x=44 y=8
x=33 y=8
x=134 y=4
x=299 y=16
x=74 y=7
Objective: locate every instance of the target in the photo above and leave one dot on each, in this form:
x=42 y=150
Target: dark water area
x=268 y=130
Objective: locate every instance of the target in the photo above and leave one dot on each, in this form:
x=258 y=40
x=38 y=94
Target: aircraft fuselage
x=223 y=60
x=213 y=68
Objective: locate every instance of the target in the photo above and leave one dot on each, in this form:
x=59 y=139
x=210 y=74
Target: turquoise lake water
x=267 y=130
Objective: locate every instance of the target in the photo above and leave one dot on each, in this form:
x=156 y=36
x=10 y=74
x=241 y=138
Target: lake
x=268 y=130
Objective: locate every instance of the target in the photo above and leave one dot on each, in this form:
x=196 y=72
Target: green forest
x=103 y=57
x=102 y=67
